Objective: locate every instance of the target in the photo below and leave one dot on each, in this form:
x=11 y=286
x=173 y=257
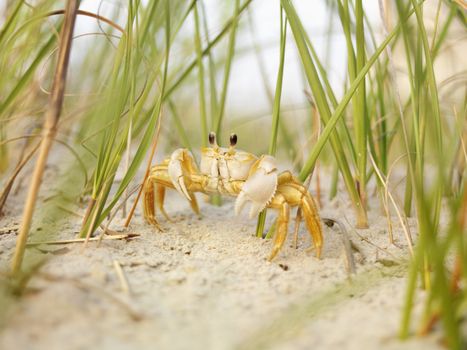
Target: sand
x=205 y=283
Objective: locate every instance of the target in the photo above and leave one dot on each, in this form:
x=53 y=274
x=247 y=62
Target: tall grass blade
x=276 y=108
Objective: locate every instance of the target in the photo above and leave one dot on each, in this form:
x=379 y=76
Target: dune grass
x=148 y=56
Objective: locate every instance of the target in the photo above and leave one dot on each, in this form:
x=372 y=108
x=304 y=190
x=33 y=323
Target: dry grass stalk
x=49 y=130
x=81 y=240
x=146 y=174
x=400 y=216
x=11 y=180
x=105 y=229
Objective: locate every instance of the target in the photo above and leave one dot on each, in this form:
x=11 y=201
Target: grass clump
x=137 y=84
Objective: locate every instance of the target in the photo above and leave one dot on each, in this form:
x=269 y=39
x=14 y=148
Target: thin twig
x=81 y=240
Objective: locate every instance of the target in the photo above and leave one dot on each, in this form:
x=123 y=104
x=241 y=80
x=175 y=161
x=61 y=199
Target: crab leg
x=148 y=204
x=157 y=182
x=313 y=224
x=280 y=203
x=297 y=194
x=160 y=196
x=286 y=177
x=182 y=172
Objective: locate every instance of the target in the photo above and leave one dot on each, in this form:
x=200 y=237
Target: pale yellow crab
x=232 y=172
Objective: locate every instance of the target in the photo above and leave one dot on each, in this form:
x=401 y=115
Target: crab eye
x=233 y=139
x=212 y=138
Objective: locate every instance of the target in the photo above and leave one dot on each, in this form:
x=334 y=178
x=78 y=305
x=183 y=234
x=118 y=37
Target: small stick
x=81 y=240
x=122 y=278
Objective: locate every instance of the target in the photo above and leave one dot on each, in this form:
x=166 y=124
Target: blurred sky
x=246 y=90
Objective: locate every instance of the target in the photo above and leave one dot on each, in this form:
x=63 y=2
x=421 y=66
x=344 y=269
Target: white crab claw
x=259 y=188
x=176 y=173
x=240 y=202
x=255 y=209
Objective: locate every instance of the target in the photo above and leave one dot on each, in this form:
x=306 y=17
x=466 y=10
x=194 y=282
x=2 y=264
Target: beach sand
x=205 y=283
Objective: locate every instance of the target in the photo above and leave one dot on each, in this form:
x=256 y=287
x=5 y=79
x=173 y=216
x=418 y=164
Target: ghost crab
x=229 y=171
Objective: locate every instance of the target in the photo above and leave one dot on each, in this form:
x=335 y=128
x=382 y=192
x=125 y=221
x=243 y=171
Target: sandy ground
x=205 y=283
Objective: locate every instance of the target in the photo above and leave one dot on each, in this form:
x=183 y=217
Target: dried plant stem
x=81 y=240
x=112 y=216
x=11 y=180
x=49 y=130
x=88 y=14
x=127 y=165
x=146 y=174
x=403 y=223
x=93 y=222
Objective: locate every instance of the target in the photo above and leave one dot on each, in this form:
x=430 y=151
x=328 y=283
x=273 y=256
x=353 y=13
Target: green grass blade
x=339 y=111
x=231 y=49
x=202 y=95
x=325 y=113
x=275 y=110
x=208 y=48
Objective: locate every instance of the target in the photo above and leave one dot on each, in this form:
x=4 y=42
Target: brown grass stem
x=146 y=174
x=9 y=184
x=49 y=130
x=81 y=240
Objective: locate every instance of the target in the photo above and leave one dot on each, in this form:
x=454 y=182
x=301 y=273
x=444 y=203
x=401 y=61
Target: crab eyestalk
x=233 y=142
x=212 y=139
x=215 y=198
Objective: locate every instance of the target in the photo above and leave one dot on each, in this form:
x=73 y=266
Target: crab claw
x=260 y=186
x=175 y=170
